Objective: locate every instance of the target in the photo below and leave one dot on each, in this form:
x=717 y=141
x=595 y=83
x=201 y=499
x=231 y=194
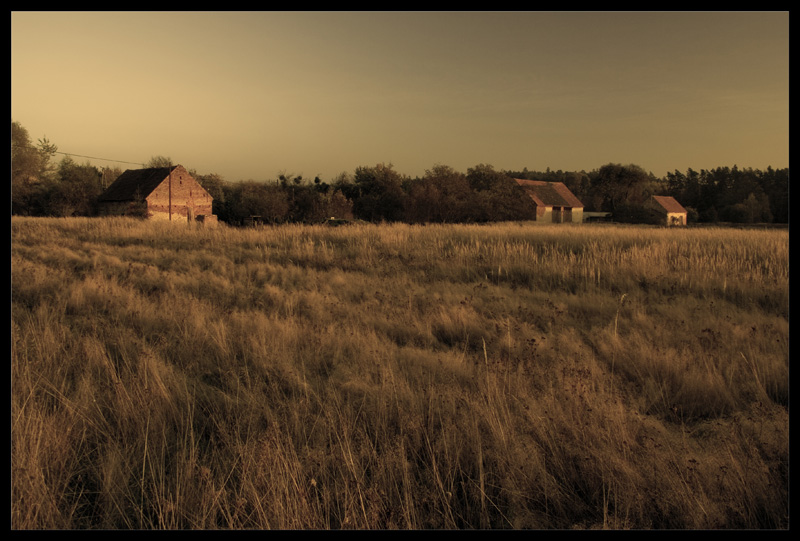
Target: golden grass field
x=394 y=376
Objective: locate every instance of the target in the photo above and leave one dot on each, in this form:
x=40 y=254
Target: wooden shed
x=553 y=200
x=165 y=193
x=668 y=208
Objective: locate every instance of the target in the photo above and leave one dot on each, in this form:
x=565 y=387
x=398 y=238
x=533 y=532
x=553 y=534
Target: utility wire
x=94 y=158
x=80 y=155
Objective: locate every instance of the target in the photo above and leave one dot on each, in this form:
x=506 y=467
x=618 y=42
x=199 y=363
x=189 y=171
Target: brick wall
x=189 y=199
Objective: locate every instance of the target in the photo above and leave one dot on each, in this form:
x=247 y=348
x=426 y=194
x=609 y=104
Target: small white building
x=553 y=200
x=668 y=208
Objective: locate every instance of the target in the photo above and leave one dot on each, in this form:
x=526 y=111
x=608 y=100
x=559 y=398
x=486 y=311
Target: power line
x=94 y=158
x=80 y=155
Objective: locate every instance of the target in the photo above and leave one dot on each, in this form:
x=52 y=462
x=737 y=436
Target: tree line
x=43 y=187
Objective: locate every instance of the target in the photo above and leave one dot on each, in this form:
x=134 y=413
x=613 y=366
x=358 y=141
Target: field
x=395 y=376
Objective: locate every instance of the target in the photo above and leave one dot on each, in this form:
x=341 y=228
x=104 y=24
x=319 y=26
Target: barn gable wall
x=671 y=212
x=189 y=199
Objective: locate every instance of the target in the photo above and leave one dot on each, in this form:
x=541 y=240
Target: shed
x=165 y=193
x=671 y=212
x=553 y=200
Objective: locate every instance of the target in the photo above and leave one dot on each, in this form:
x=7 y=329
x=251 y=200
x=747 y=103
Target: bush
x=631 y=213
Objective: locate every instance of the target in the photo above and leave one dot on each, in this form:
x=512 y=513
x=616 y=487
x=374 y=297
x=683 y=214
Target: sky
x=252 y=95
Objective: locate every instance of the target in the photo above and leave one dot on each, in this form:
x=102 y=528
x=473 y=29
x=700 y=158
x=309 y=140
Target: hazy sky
x=249 y=95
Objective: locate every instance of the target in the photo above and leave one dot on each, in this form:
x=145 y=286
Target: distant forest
x=44 y=186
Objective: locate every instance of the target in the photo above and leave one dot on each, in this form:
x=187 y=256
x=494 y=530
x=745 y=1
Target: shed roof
x=135 y=183
x=669 y=203
x=550 y=194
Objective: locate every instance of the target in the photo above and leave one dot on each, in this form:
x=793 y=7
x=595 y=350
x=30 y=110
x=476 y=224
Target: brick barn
x=553 y=200
x=163 y=193
x=670 y=211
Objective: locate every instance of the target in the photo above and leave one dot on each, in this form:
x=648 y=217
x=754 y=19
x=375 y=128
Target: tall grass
x=397 y=376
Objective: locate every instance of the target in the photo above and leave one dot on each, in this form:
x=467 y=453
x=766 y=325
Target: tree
x=159 y=161
x=753 y=209
x=75 y=191
x=498 y=196
x=336 y=205
x=108 y=175
x=442 y=195
x=676 y=184
x=692 y=193
x=214 y=184
x=249 y=198
x=484 y=177
x=578 y=183
x=423 y=202
x=305 y=203
x=775 y=183
x=25 y=162
x=635 y=213
x=617 y=184
x=378 y=194
x=30 y=169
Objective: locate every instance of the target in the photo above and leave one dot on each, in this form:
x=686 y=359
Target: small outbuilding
x=165 y=193
x=668 y=208
x=553 y=200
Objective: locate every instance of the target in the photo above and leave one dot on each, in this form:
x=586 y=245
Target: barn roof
x=135 y=183
x=550 y=194
x=669 y=203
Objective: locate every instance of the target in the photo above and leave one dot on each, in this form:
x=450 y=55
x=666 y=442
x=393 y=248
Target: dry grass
x=395 y=376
